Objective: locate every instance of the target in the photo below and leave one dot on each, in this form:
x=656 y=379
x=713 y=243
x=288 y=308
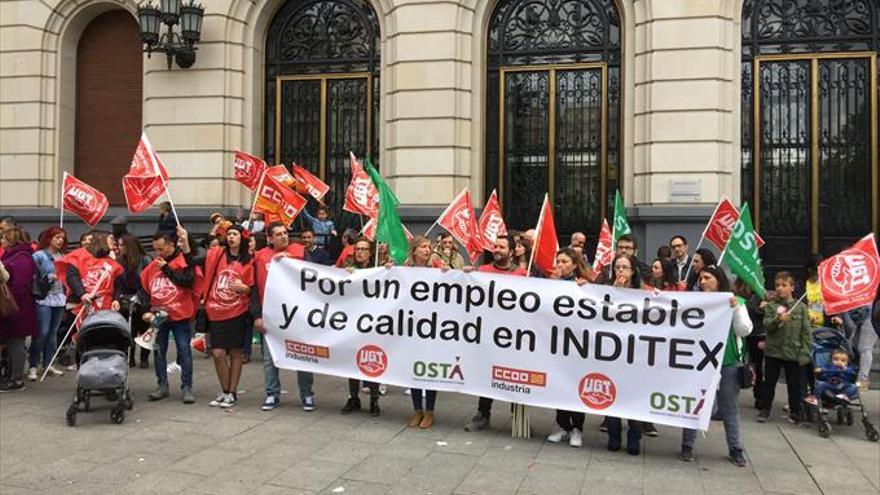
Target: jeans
x=728 y=408
x=862 y=340
x=847 y=389
x=430 y=399
x=570 y=420
x=182 y=331
x=484 y=406
x=793 y=381
x=43 y=346
x=615 y=432
x=304 y=379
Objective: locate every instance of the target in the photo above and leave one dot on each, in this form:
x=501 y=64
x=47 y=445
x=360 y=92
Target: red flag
x=280 y=174
x=849 y=279
x=546 y=242
x=759 y=241
x=312 y=185
x=146 y=179
x=720 y=226
x=369 y=230
x=459 y=219
x=87 y=202
x=604 y=252
x=491 y=223
x=248 y=169
x=361 y=197
x=275 y=198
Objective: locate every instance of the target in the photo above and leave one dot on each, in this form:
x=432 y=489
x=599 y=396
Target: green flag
x=389 y=229
x=621 y=225
x=741 y=254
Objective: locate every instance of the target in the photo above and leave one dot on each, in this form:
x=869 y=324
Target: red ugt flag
x=277 y=199
x=361 y=197
x=849 y=279
x=546 y=241
x=459 y=219
x=248 y=169
x=87 y=202
x=720 y=226
x=280 y=174
x=604 y=253
x=146 y=179
x=491 y=222
x=314 y=186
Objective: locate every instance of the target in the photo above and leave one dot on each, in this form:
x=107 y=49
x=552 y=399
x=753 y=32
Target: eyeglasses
x=626 y=248
x=676 y=246
x=361 y=249
x=622 y=268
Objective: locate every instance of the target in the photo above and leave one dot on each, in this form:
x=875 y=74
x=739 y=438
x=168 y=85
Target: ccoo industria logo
x=517 y=380
x=305 y=352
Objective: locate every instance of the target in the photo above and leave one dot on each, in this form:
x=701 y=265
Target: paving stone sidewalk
x=168 y=447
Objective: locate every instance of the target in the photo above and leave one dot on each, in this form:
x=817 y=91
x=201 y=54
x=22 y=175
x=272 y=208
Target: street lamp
x=178 y=47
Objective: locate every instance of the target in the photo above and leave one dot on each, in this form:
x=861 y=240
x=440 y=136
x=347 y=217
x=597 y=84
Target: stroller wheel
x=849 y=418
x=129 y=400
x=86 y=401
x=824 y=429
x=71 y=415
x=871 y=432
x=117 y=415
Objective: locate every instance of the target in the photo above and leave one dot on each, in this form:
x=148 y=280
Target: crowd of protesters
x=216 y=286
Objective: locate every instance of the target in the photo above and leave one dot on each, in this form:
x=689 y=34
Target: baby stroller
x=825 y=341
x=104 y=340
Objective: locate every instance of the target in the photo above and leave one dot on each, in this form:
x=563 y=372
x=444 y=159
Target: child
x=787 y=347
x=322 y=225
x=837 y=377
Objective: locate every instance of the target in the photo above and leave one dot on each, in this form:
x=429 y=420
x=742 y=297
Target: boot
x=188 y=396
x=353 y=404
x=427 y=421
x=160 y=393
x=374 y=407
x=415 y=419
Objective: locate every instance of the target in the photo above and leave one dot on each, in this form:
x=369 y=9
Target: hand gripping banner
x=546 y=343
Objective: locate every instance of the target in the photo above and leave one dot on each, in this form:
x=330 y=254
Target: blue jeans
x=46 y=342
x=182 y=331
x=728 y=408
x=847 y=389
x=304 y=379
x=430 y=399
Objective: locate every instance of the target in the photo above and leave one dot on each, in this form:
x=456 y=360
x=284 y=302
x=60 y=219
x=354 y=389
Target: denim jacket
x=46 y=263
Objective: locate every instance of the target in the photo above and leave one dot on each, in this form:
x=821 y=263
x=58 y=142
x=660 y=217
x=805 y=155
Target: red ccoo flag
x=248 y=169
x=459 y=219
x=604 y=252
x=491 y=222
x=546 y=242
x=849 y=279
x=361 y=197
x=87 y=202
x=720 y=225
x=275 y=198
x=146 y=179
x=307 y=182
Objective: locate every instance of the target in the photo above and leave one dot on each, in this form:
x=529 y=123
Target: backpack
x=41 y=285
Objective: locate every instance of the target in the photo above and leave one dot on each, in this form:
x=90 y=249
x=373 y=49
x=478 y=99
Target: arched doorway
x=809 y=124
x=553 y=97
x=109 y=92
x=322 y=90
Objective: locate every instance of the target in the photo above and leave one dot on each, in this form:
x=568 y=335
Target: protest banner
x=540 y=342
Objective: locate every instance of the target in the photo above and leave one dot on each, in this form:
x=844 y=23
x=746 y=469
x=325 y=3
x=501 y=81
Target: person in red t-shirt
x=502 y=263
x=279 y=245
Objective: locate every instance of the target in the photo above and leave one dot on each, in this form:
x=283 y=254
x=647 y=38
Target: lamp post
x=178 y=47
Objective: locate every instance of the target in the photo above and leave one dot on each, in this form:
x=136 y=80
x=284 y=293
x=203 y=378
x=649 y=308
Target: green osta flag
x=621 y=225
x=389 y=229
x=741 y=254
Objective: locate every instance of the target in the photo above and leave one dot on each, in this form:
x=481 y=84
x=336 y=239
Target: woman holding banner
x=420 y=256
x=569 y=266
x=363 y=257
x=713 y=279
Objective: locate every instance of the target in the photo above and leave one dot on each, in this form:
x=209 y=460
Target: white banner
x=546 y=343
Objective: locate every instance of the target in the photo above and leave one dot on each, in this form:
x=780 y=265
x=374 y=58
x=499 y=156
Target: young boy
x=837 y=377
x=322 y=226
x=787 y=347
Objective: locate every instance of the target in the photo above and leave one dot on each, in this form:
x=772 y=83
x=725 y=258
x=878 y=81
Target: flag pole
x=703 y=237
x=61 y=200
x=797 y=303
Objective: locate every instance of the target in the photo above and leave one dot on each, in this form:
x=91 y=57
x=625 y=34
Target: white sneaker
x=383 y=389
x=218 y=400
x=72 y=367
x=407 y=391
x=55 y=371
x=228 y=402
x=32 y=374
x=577 y=438
x=558 y=436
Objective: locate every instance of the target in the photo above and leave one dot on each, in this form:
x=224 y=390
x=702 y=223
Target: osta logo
x=597 y=391
x=372 y=360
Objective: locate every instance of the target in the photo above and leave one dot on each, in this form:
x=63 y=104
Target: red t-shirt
x=221 y=302
x=346 y=252
x=91 y=271
x=491 y=268
x=179 y=302
x=263 y=258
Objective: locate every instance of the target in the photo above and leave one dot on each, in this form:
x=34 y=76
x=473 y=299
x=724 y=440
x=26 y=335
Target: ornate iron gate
x=809 y=122
x=322 y=86
x=553 y=109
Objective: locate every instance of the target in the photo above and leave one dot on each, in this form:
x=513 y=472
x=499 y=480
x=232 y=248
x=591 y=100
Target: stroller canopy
x=105 y=328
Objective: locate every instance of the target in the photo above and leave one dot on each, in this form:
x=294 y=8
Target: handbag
x=8 y=306
x=745 y=371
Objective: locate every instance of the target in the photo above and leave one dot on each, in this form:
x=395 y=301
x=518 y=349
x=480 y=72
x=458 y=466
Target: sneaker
x=383 y=389
x=863 y=384
x=785 y=408
x=374 y=407
x=309 y=403
x=763 y=416
x=72 y=367
x=477 y=423
x=686 y=454
x=576 y=439
x=219 y=400
x=407 y=391
x=228 y=401
x=270 y=403
x=793 y=420
x=603 y=426
x=160 y=393
x=55 y=371
x=12 y=386
x=187 y=396
x=649 y=430
x=558 y=436
x=737 y=458
x=811 y=400
x=842 y=397
x=32 y=374
x=353 y=404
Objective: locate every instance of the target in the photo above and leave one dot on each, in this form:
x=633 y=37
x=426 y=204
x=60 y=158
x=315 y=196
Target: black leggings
x=756 y=358
x=569 y=420
x=354 y=388
x=793 y=382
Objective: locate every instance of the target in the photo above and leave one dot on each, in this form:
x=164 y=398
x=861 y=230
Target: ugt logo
x=597 y=391
x=372 y=360
x=850 y=273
